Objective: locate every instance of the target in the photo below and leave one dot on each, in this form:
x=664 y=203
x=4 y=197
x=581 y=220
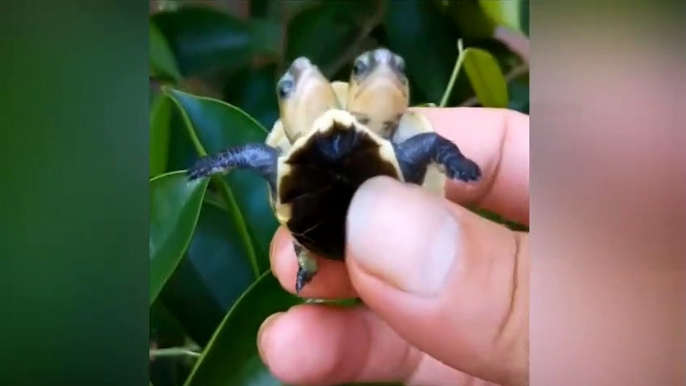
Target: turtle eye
x=359 y=67
x=285 y=88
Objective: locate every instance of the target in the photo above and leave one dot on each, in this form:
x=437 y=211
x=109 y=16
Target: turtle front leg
x=417 y=152
x=259 y=157
x=307 y=267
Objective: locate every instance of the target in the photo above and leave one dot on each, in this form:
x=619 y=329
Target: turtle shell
x=319 y=175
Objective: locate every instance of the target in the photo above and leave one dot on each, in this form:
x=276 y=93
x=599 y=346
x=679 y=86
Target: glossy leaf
x=231 y=358
x=174 y=209
x=505 y=13
x=329 y=32
x=160 y=120
x=205 y=39
x=471 y=19
x=212 y=276
x=254 y=90
x=486 y=77
x=216 y=126
x=419 y=32
x=182 y=151
x=162 y=60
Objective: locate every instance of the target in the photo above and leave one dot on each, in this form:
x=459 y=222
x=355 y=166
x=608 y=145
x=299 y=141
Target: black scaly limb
x=417 y=152
x=259 y=157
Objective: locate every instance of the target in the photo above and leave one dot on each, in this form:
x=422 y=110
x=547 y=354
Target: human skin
x=445 y=291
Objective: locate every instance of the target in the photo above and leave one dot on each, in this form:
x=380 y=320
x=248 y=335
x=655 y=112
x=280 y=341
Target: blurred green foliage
x=213 y=71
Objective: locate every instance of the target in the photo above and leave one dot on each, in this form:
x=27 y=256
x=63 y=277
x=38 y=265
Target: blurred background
x=234 y=51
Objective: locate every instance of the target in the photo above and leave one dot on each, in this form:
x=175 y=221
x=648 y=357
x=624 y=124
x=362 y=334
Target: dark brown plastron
x=325 y=173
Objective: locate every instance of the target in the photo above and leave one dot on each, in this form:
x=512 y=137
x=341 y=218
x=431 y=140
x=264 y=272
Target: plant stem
x=173 y=352
x=453 y=77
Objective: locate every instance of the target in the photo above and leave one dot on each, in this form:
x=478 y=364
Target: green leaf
x=174 y=209
x=182 y=152
x=204 y=39
x=506 y=13
x=231 y=358
x=215 y=126
x=167 y=332
x=330 y=32
x=162 y=61
x=254 y=91
x=487 y=214
x=471 y=19
x=425 y=37
x=211 y=277
x=524 y=17
x=486 y=78
x=518 y=89
x=266 y=36
x=160 y=120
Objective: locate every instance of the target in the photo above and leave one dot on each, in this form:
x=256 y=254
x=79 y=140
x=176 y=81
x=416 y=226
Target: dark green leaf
x=204 y=39
x=419 y=32
x=471 y=19
x=524 y=15
x=486 y=78
x=160 y=118
x=219 y=257
x=182 y=152
x=518 y=89
x=162 y=61
x=231 y=358
x=254 y=91
x=174 y=208
x=330 y=32
x=266 y=36
x=166 y=332
x=165 y=329
x=504 y=13
x=216 y=126
x=214 y=272
x=515 y=226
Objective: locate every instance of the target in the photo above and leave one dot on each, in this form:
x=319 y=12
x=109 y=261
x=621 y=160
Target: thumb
x=451 y=283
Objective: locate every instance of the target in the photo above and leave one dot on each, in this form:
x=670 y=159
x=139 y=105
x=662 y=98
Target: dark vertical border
x=74 y=192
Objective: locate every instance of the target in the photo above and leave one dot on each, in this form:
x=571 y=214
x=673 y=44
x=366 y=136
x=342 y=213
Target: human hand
x=446 y=291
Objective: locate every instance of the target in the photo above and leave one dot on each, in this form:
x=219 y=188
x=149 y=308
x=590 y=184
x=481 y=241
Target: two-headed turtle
x=377 y=94
x=323 y=155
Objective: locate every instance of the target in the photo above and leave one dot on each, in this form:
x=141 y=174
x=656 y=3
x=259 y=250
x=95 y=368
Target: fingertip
x=331 y=281
x=294 y=347
x=263 y=333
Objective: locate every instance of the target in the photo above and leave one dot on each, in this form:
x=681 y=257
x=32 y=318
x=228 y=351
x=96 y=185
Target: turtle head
x=378 y=93
x=304 y=93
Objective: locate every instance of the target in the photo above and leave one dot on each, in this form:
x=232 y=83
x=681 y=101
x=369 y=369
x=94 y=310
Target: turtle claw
x=418 y=151
x=463 y=169
x=303 y=278
x=307 y=268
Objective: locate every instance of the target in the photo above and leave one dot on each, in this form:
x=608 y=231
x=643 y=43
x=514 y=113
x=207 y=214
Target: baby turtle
x=323 y=155
x=378 y=95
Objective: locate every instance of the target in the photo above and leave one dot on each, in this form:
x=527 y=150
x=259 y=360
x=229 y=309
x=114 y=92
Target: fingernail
x=402 y=235
x=261 y=334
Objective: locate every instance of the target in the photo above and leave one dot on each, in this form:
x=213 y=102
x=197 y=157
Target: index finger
x=497 y=140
